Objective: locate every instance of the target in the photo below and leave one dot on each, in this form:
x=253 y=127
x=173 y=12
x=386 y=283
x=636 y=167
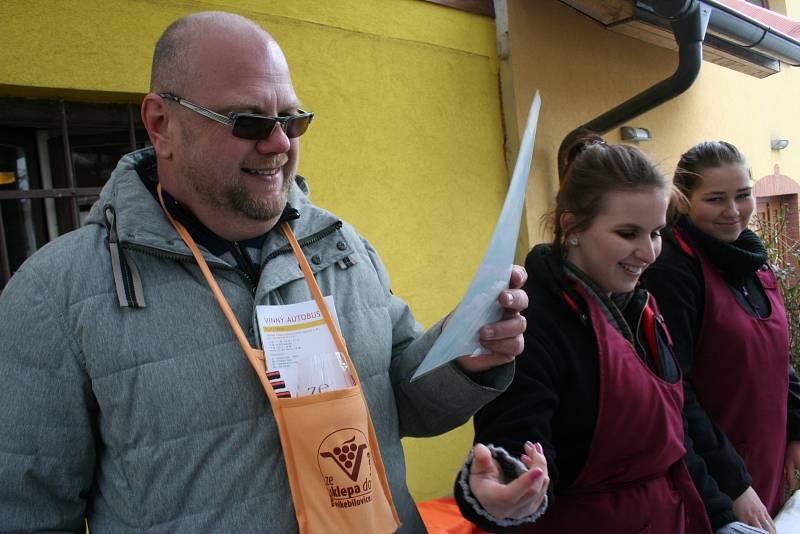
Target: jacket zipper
x=754 y=307
x=244 y=259
x=129 y=294
x=310 y=240
x=635 y=334
x=158 y=253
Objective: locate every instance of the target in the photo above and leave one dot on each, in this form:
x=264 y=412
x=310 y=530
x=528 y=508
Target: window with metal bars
x=55 y=156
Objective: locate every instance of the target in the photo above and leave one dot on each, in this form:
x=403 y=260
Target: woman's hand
x=749 y=509
x=513 y=499
x=792 y=464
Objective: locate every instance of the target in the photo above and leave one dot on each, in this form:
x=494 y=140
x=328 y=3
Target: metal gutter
x=747 y=32
x=689 y=20
x=721 y=44
x=742 y=30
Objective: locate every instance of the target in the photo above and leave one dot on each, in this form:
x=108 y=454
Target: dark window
x=54 y=159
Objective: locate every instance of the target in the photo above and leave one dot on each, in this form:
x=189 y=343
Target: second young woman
x=726 y=315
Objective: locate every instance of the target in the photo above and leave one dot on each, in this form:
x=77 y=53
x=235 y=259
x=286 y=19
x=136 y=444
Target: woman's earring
x=573 y=241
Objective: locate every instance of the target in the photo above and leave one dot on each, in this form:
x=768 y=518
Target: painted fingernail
x=529 y=444
x=539 y=449
x=535 y=474
x=525 y=458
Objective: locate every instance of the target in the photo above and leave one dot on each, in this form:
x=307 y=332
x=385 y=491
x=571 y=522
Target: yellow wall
x=407 y=142
x=583 y=70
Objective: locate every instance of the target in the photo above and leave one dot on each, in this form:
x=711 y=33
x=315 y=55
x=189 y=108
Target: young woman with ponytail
x=727 y=319
x=597 y=388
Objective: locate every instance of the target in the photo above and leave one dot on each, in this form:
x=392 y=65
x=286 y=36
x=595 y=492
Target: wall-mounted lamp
x=629 y=133
x=779 y=144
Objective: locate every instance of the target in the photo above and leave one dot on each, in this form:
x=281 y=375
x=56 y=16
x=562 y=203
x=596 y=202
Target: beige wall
x=583 y=69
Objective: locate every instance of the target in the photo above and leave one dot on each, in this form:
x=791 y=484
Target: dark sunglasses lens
x=297 y=126
x=253 y=128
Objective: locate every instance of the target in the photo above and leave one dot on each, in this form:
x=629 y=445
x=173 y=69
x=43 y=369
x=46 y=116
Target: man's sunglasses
x=249 y=125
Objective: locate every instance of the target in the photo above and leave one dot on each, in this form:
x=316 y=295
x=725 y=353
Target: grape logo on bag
x=346 y=466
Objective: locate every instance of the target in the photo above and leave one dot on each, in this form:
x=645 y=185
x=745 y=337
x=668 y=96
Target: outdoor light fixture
x=629 y=133
x=779 y=144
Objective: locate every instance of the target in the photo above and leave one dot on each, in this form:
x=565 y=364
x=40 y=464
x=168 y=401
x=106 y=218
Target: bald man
x=126 y=400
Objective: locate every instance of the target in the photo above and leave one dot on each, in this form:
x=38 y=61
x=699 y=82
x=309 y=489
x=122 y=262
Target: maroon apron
x=634 y=480
x=741 y=377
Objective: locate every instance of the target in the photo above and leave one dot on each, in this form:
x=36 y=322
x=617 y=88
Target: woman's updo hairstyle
x=702 y=156
x=589 y=169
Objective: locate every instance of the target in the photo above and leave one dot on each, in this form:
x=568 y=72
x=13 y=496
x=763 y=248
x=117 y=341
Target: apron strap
x=312 y=283
x=255 y=356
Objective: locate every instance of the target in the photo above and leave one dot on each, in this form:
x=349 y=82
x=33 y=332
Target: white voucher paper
x=479 y=306
x=291 y=332
x=788 y=519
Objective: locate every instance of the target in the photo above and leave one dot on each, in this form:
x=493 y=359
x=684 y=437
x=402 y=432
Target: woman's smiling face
x=622 y=240
x=722 y=204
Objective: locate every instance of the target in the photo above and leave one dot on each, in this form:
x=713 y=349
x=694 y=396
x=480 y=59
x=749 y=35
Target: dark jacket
x=676 y=280
x=553 y=399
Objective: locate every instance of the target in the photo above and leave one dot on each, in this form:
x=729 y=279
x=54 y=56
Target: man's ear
x=156 y=121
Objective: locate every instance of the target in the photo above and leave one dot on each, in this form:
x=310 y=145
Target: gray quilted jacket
x=146 y=417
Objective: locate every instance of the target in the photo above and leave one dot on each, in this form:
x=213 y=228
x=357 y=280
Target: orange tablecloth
x=441 y=516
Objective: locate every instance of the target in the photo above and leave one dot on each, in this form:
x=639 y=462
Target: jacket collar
x=141 y=223
x=549 y=272
x=735 y=261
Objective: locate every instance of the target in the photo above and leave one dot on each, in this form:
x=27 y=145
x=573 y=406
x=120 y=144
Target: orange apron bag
x=332 y=458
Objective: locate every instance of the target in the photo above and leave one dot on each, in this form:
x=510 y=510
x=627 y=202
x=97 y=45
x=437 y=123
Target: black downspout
x=689 y=21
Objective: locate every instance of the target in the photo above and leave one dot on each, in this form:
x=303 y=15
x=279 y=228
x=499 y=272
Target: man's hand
x=513 y=499
x=792 y=464
x=749 y=509
x=503 y=338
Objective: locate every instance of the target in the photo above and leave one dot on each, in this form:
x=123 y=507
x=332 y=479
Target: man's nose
x=277 y=142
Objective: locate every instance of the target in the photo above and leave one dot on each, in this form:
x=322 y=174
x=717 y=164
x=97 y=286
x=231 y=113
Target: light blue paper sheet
x=479 y=306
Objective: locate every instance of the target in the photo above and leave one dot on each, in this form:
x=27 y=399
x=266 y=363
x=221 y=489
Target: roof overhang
x=753 y=43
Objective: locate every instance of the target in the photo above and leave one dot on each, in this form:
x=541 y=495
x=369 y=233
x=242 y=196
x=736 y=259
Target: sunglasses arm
x=199 y=109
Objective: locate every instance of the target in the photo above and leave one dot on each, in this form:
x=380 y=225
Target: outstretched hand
x=513 y=499
x=503 y=338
